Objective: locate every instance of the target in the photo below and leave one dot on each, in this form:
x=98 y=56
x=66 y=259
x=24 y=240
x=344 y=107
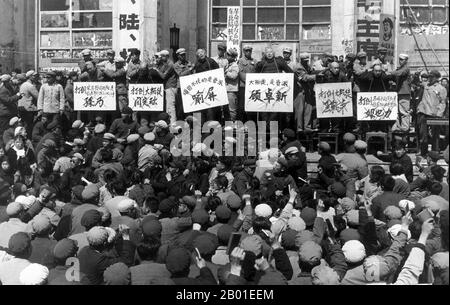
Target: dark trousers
x=423 y=133
x=4 y=124
x=28 y=119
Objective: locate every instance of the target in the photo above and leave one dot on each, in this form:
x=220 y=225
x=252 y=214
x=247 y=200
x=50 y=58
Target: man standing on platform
x=166 y=71
x=182 y=68
x=432 y=106
x=246 y=65
x=221 y=59
x=51 y=99
x=404 y=95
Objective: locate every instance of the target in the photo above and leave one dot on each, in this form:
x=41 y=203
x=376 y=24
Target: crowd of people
x=97 y=198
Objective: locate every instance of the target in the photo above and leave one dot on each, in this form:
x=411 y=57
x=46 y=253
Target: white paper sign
x=234 y=28
x=129 y=24
x=204 y=91
x=146 y=97
x=377 y=106
x=334 y=100
x=94 y=96
x=269 y=92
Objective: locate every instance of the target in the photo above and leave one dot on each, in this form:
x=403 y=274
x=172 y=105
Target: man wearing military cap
x=232 y=83
x=401 y=76
x=27 y=105
x=51 y=100
x=108 y=65
x=109 y=141
x=87 y=57
x=221 y=59
x=117 y=75
x=304 y=102
x=182 y=68
x=246 y=65
x=432 y=105
x=135 y=67
x=165 y=69
x=287 y=53
x=8 y=103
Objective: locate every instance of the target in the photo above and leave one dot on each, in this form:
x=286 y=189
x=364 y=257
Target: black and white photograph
x=224 y=149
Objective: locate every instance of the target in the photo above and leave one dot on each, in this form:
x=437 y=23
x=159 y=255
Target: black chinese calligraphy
x=269 y=96
x=129 y=22
x=158 y=91
x=144 y=102
x=335 y=101
x=377 y=114
x=377 y=107
x=91 y=102
x=200 y=98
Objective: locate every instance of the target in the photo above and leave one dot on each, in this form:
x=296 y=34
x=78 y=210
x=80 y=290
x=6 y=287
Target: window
x=264 y=20
x=424 y=12
x=69 y=26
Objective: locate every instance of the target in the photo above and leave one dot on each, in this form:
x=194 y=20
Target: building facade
x=50 y=34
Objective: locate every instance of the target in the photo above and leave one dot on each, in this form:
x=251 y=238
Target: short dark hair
x=261 y=223
x=388 y=183
x=148 y=249
x=438 y=172
x=396 y=169
x=119 y=186
x=435 y=188
x=377 y=173
x=222 y=181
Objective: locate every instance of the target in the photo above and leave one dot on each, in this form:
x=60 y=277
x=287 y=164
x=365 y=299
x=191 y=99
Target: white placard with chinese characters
x=377 y=106
x=203 y=91
x=146 y=97
x=94 y=96
x=234 y=28
x=129 y=24
x=269 y=92
x=334 y=100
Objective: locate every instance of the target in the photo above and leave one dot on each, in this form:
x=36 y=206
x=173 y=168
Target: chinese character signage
x=234 y=28
x=377 y=106
x=94 y=96
x=387 y=35
x=368 y=26
x=204 y=91
x=146 y=97
x=334 y=100
x=269 y=92
x=129 y=24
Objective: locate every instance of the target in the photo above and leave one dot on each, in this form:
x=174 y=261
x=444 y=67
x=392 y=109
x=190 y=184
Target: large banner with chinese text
x=269 y=92
x=334 y=100
x=203 y=91
x=146 y=97
x=129 y=25
x=377 y=106
x=234 y=28
x=94 y=96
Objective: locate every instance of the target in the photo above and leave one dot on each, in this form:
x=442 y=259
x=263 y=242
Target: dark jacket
x=206 y=278
x=23 y=162
x=94 y=263
x=381 y=202
x=329 y=77
x=241 y=183
x=8 y=102
x=404 y=160
x=207 y=65
x=275 y=65
x=369 y=83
